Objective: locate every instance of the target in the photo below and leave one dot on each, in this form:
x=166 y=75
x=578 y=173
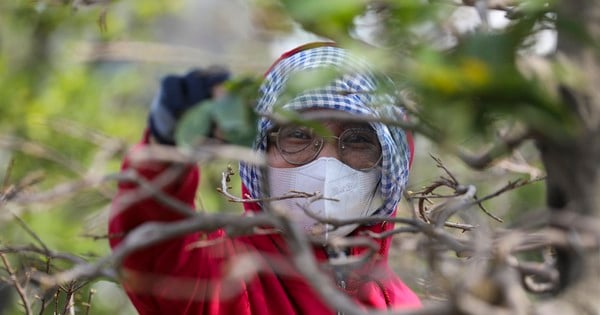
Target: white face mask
x=356 y=192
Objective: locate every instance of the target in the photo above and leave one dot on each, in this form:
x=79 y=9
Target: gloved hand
x=176 y=95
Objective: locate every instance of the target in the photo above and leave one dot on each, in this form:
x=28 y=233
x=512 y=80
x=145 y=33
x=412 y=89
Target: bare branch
x=88 y=303
x=153 y=190
x=510 y=186
x=304 y=260
x=7 y=174
x=484 y=159
x=202 y=154
x=22 y=249
x=30 y=232
x=38 y=150
x=153 y=232
x=10 y=192
x=15 y=282
x=224 y=189
x=340 y=243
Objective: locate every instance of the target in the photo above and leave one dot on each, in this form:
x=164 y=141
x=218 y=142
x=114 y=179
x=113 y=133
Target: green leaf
x=231 y=114
x=332 y=18
x=195 y=125
x=235 y=119
x=293 y=117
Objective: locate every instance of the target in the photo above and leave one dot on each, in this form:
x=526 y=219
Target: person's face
x=360 y=147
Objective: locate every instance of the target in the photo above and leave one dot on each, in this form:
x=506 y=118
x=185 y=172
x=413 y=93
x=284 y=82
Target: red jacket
x=174 y=278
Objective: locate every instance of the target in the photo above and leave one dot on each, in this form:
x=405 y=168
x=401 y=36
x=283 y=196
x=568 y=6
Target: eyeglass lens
x=359 y=148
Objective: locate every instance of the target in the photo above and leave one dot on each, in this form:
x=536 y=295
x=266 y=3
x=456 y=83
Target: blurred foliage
x=332 y=19
x=54 y=109
x=468 y=85
x=233 y=114
x=473 y=81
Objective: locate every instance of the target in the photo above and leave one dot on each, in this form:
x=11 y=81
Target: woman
x=360 y=168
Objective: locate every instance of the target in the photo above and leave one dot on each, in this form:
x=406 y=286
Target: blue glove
x=176 y=95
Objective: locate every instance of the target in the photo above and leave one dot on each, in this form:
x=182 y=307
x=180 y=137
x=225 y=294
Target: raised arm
x=159 y=277
x=135 y=204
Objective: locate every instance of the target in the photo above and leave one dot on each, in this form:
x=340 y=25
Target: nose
x=329 y=149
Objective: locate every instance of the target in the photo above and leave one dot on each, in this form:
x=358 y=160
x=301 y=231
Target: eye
x=294 y=139
x=360 y=148
x=360 y=138
x=298 y=133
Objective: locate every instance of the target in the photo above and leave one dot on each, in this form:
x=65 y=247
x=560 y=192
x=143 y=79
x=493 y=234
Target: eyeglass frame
x=321 y=142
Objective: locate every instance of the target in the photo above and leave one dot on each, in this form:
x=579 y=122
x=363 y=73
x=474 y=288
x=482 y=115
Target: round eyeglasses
x=358 y=148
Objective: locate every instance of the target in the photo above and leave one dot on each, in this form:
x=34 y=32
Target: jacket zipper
x=340 y=278
x=386 y=295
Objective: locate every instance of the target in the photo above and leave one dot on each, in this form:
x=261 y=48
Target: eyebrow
x=361 y=125
x=343 y=125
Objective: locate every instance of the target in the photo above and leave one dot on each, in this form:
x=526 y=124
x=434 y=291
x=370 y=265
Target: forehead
x=334 y=120
x=339 y=126
x=330 y=127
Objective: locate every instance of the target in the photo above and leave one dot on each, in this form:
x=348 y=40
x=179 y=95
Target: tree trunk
x=573 y=183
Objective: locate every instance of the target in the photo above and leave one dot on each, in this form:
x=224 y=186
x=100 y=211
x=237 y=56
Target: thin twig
x=39 y=150
x=484 y=159
x=56 y=296
x=225 y=188
x=12 y=191
x=7 y=174
x=69 y=307
x=151 y=233
x=152 y=189
x=16 y=284
x=31 y=232
x=88 y=304
x=510 y=186
x=43 y=299
x=44 y=251
x=441 y=165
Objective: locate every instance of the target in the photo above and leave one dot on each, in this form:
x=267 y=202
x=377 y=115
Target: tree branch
x=15 y=282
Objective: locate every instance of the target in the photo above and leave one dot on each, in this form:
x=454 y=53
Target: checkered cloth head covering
x=356 y=90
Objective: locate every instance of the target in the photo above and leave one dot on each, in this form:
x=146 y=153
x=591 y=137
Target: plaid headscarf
x=358 y=91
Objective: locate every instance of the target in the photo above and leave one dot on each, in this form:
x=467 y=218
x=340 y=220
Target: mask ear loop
x=374 y=195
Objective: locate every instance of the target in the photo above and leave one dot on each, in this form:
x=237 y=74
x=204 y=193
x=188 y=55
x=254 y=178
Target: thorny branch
x=224 y=189
x=427 y=193
x=152 y=233
x=503 y=249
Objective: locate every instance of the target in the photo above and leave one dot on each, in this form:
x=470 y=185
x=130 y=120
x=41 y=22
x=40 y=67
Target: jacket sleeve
x=134 y=205
x=169 y=274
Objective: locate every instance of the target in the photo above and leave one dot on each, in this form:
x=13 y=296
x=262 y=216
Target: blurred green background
x=70 y=107
x=75 y=85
